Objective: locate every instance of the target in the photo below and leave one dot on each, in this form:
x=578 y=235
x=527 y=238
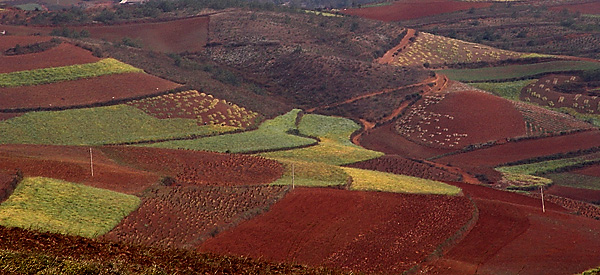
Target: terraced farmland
x=53 y=205
x=544 y=92
x=308 y=174
x=64 y=54
x=403 y=166
x=540 y=121
x=368 y=180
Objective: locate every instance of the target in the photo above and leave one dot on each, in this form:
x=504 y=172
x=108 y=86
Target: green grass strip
x=334 y=148
x=309 y=174
x=270 y=135
x=509 y=90
x=575 y=180
x=540 y=168
x=66 y=73
x=368 y=180
x=517 y=71
x=95 y=126
x=62 y=207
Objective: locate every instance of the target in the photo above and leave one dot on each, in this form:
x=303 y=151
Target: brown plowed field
x=525 y=149
x=545 y=93
x=361 y=231
x=64 y=54
x=586 y=195
x=404 y=166
x=185 y=216
x=189 y=34
x=590 y=171
x=198 y=167
x=513 y=236
x=458 y=119
x=586 y=8
x=9 y=41
x=87 y=91
x=386 y=139
x=413 y=9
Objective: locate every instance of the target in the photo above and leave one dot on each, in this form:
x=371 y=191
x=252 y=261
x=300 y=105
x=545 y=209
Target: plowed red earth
x=200 y=168
x=579 y=194
x=7 y=186
x=9 y=41
x=403 y=166
x=413 y=9
x=360 y=231
x=88 y=91
x=586 y=8
x=62 y=55
x=590 y=171
x=177 y=36
x=183 y=217
x=513 y=236
x=524 y=149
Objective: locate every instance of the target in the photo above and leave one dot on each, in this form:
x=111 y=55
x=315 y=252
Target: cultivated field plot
x=271 y=135
x=64 y=54
x=9 y=41
x=412 y=9
x=404 y=166
x=509 y=90
x=585 y=8
x=198 y=167
x=511 y=72
x=351 y=230
x=186 y=216
x=93 y=91
x=540 y=121
x=310 y=174
x=544 y=92
x=111 y=125
x=8 y=182
x=57 y=206
x=446 y=120
x=438 y=51
x=194 y=105
x=182 y=35
x=552 y=166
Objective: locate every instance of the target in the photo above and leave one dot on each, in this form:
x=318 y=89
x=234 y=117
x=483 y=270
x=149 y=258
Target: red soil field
x=404 y=166
x=525 y=149
x=182 y=217
x=96 y=90
x=590 y=171
x=9 y=41
x=189 y=34
x=513 y=236
x=351 y=230
x=461 y=118
x=586 y=8
x=545 y=93
x=72 y=163
x=7 y=184
x=198 y=167
x=586 y=195
x=413 y=9
x=64 y=54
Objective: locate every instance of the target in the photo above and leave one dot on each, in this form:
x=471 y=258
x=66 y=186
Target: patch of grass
x=524 y=182
x=517 y=71
x=270 y=135
x=378 y=181
x=334 y=146
x=590 y=118
x=309 y=174
x=62 y=207
x=593 y=271
x=540 y=168
x=509 y=90
x=66 y=73
x=575 y=180
x=102 y=125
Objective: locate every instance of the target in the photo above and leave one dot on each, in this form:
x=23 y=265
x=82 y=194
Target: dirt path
x=388 y=57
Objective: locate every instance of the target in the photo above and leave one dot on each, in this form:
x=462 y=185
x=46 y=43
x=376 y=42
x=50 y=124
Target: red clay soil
x=96 y=90
x=8 y=183
x=10 y=41
x=190 y=34
x=545 y=93
x=525 y=149
x=580 y=194
x=404 y=166
x=593 y=171
x=72 y=163
x=586 y=8
x=461 y=118
x=183 y=217
x=513 y=236
x=386 y=139
x=64 y=54
x=413 y=9
x=350 y=230
x=198 y=167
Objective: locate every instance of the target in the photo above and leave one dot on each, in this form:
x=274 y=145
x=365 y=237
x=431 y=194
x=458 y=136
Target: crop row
x=541 y=121
x=66 y=73
x=185 y=216
x=549 y=166
x=308 y=174
x=544 y=92
x=523 y=182
x=403 y=166
x=200 y=106
x=57 y=206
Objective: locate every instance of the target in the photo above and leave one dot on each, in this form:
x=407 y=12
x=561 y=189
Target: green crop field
x=575 y=180
x=270 y=135
x=94 y=126
x=509 y=90
x=309 y=174
x=57 y=206
x=524 y=182
x=517 y=71
x=378 y=181
x=540 y=168
x=66 y=73
x=335 y=146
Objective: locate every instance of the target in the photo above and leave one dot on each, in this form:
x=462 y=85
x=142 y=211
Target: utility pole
x=293 y=176
x=91 y=162
x=542 y=192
